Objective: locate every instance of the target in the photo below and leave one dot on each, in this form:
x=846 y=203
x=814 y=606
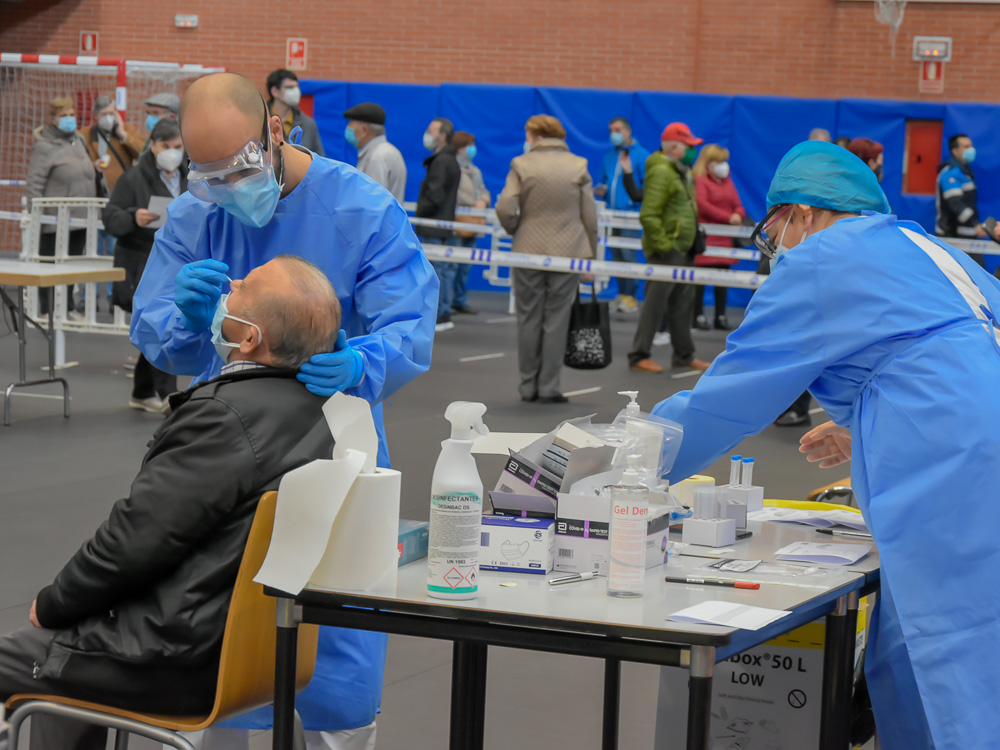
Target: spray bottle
x=629 y=519
x=456 y=508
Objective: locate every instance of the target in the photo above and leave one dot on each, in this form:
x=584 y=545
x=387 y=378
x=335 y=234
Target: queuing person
x=166 y=560
x=472 y=193
x=547 y=206
x=284 y=97
x=843 y=141
x=956 y=195
x=438 y=199
x=906 y=365
x=669 y=218
x=114 y=146
x=870 y=152
x=718 y=203
x=60 y=167
x=377 y=158
x=252 y=196
x=626 y=156
x=158 y=106
x=160 y=171
x=819 y=134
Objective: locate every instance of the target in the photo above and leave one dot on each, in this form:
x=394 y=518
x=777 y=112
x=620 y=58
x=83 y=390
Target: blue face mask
x=617 y=139
x=253 y=200
x=151 y=121
x=471 y=151
x=218 y=339
x=350 y=136
x=527 y=147
x=67 y=124
x=970 y=155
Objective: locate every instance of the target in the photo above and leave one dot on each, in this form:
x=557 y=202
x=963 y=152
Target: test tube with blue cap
x=734 y=471
x=747 y=472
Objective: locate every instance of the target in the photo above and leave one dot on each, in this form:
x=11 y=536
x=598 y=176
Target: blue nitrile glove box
x=413 y=537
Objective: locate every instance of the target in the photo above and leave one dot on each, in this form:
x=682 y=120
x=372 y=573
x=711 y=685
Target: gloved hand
x=333 y=372
x=197 y=290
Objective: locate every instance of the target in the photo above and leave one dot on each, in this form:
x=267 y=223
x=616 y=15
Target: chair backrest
x=246 y=668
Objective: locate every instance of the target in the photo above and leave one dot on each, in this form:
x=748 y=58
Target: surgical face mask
x=292 y=96
x=253 y=199
x=151 y=121
x=970 y=155
x=430 y=142
x=690 y=155
x=350 y=136
x=526 y=147
x=169 y=159
x=218 y=339
x=107 y=123
x=617 y=139
x=67 y=124
x=782 y=248
x=721 y=170
x=471 y=151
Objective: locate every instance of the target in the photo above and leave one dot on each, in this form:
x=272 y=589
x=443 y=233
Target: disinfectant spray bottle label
x=453 y=546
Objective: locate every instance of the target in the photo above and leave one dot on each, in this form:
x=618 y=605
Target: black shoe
x=464 y=310
x=556 y=399
x=792 y=419
x=701 y=323
x=529 y=399
x=722 y=323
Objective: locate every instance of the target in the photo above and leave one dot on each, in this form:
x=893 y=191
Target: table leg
x=285 y=661
x=468 y=695
x=612 y=698
x=52 y=366
x=838 y=672
x=700 y=697
x=22 y=339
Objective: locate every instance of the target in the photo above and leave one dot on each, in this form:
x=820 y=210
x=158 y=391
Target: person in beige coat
x=548 y=207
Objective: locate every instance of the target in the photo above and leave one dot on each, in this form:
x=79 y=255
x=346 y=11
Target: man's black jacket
x=153 y=584
x=438 y=196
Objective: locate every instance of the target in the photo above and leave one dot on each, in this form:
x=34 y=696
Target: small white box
x=709 y=532
x=517 y=545
x=735 y=509
x=752 y=497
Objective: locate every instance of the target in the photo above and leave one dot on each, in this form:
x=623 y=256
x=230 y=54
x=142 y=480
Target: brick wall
x=822 y=48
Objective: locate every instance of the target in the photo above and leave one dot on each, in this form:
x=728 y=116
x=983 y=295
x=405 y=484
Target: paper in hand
x=158 y=205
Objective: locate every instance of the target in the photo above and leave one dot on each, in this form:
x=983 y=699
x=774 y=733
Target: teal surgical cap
x=824 y=175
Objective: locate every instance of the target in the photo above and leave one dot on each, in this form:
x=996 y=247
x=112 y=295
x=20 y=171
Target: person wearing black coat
x=438 y=199
x=159 y=171
x=135 y=619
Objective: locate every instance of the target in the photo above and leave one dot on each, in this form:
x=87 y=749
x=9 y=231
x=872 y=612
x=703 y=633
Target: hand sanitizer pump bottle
x=629 y=522
x=456 y=508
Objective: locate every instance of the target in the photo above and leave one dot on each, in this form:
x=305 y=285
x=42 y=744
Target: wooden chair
x=839 y=492
x=246 y=666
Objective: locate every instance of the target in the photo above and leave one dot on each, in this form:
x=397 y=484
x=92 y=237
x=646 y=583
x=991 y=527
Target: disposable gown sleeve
x=776 y=354
x=395 y=300
x=158 y=330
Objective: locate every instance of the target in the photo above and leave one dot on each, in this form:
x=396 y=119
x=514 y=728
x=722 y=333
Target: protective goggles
x=760 y=238
x=213 y=181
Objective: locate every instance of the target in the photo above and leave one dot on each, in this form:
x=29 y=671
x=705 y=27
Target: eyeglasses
x=760 y=239
x=211 y=182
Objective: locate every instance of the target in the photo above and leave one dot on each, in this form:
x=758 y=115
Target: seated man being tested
x=135 y=619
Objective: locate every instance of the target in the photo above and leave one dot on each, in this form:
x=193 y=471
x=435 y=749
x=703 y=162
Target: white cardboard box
x=581 y=531
x=517 y=545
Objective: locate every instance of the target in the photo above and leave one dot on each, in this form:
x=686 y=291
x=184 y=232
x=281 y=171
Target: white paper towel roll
x=363 y=551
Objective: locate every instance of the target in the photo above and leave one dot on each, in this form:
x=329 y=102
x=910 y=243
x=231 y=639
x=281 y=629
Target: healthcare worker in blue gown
x=251 y=197
x=894 y=333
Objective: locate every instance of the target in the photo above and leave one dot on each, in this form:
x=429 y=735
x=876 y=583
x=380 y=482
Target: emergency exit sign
x=931 y=77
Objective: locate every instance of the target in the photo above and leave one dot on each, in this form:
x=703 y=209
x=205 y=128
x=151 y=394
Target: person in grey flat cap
x=158 y=106
x=377 y=158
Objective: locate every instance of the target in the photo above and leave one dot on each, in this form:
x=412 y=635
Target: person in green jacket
x=669 y=218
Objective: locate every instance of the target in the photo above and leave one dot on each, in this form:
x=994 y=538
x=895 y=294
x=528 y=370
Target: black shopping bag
x=588 y=345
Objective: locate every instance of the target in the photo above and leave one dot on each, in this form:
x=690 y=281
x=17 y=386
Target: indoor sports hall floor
x=59 y=477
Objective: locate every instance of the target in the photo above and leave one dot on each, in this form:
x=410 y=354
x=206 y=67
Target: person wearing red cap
x=669 y=219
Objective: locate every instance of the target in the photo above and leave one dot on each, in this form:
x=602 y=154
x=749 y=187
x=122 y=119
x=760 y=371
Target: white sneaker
x=74 y=316
x=661 y=339
x=444 y=326
x=153 y=404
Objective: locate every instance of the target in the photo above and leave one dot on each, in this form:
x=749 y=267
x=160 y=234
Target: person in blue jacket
x=625 y=162
x=906 y=365
x=253 y=196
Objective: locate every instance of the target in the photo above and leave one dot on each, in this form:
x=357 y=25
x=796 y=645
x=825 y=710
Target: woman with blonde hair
x=547 y=205
x=718 y=203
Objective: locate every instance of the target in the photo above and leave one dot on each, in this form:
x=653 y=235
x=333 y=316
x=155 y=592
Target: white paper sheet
x=824 y=552
x=729 y=615
x=158 y=205
x=822 y=519
x=352 y=427
x=502 y=443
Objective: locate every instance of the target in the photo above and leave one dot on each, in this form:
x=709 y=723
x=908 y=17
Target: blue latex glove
x=197 y=289
x=333 y=372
